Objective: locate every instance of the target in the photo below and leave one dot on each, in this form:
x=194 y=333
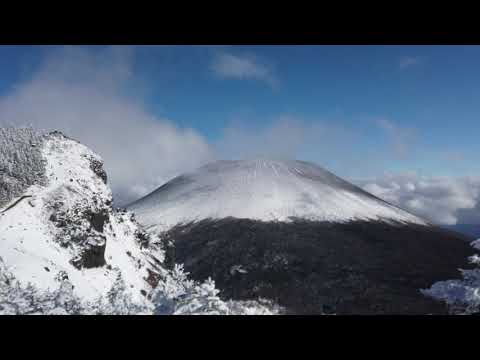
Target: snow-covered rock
x=63 y=248
x=71 y=228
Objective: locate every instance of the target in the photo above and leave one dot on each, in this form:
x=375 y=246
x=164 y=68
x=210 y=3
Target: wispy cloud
x=229 y=66
x=87 y=95
x=409 y=61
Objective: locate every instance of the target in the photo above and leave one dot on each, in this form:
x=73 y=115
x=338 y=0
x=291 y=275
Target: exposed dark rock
x=92 y=254
x=317 y=267
x=57 y=133
x=89 y=242
x=153 y=278
x=97 y=168
x=98 y=219
x=143 y=238
x=61 y=276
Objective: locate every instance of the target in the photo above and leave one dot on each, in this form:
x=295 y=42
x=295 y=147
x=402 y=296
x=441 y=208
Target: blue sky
x=431 y=90
x=434 y=91
x=360 y=111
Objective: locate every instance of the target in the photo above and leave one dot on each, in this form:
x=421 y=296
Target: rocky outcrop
x=97 y=167
x=92 y=254
x=81 y=229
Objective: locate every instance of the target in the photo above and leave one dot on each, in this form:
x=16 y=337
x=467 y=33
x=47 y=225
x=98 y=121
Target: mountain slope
x=262 y=189
x=294 y=233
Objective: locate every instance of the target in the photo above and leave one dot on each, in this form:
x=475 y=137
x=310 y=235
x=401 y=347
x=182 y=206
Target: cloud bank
x=86 y=95
x=441 y=200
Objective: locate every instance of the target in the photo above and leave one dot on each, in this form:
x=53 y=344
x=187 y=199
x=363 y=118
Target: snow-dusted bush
x=16 y=299
x=21 y=163
x=462 y=296
x=180 y=296
x=118 y=302
x=176 y=295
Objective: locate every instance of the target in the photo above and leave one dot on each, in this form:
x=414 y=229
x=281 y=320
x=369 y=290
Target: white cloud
x=231 y=66
x=86 y=95
x=409 y=61
x=441 y=200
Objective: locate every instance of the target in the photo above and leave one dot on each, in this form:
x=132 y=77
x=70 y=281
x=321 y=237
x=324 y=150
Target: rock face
x=296 y=234
x=92 y=255
x=58 y=216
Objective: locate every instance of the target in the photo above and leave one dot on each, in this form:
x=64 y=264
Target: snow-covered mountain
x=64 y=249
x=262 y=189
x=275 y=237
x=296 y=234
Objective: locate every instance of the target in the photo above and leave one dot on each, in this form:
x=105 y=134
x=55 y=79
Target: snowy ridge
x=262 y=189
x=27 y=236
x=64 y=250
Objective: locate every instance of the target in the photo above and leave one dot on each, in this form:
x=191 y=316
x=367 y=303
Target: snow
x=36 y=272
x=476 y=244
x=262 y=189
x=27 y=237
x=462 y=295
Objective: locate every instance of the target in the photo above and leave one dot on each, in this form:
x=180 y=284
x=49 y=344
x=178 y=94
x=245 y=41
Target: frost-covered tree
x=176 y=295
x=179 y=295
x=118 y=301
x=21 y=162
x=17 y=299
x=463 y=295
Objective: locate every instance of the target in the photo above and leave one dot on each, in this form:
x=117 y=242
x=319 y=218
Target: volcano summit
x=266 y=190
